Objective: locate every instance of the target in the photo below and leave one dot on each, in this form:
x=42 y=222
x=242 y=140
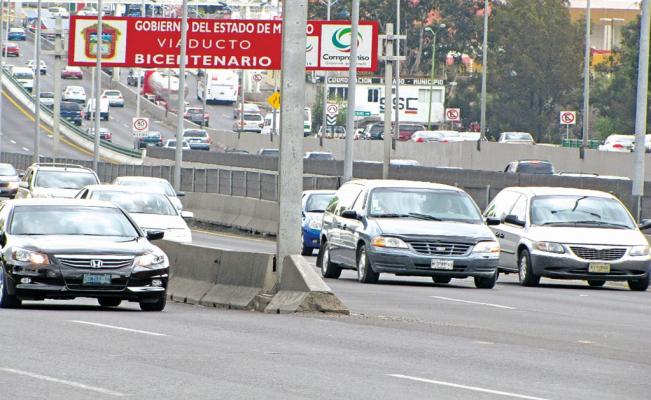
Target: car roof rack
x=61 y=165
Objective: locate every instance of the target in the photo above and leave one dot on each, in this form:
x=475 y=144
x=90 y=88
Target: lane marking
x=119 y=328
x=474 y=302
x=585 y=342
x=228 y=235
x=466 y=387
x=63 y=382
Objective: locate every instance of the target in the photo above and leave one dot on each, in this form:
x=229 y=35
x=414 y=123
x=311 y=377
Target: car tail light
x=617 y=146
x=444 y=141
x=420 y=140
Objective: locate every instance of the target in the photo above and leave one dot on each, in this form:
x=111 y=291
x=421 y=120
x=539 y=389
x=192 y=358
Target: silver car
x=568 y=233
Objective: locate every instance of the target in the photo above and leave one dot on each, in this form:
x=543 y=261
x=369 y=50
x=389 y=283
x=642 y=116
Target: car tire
x=365 y=273
x=305 y=251
x=639 y=285
x=596 y=282
x=525 y=271
x=6 y=300
x=441 y=279
x=109 y=302
x=328 y=269
x=158 y=305
x=486 y=283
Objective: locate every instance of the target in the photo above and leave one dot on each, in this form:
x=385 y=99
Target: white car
x=74 y=93
x=46 y=99
x=114 y=97
x=158 y=185
x=171 y=144
x=24 y=76
x=436 y=136
x=249 y=108
x=319 y=155
x=32 y=65
x=516 y=138
x=249 y=123
x=618 y=143
x=152 y=211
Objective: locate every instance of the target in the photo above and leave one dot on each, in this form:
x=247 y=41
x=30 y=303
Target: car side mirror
x=180 y=194
x=155 y=235
x=644 y=224
x=514 y=220
x=21 y=174
x=23 y=185
x=187 y=214
x=349 y=214
x=492 y=221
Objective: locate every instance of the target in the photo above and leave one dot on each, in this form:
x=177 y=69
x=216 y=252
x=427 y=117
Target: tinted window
x=64 y=179
x=581 y=210
x=318 y=202
x=46 y=95
x=112 y=93
x=197 y=133
x=139 y=203
x=321 y=156
x=252 y=117
x=411 y=128
x=543 y=168
x=64 y=220
x=67 y=106
x=501 y=204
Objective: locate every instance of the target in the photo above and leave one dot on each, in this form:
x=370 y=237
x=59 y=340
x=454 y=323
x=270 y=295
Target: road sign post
x=140 y=126
x=567 y=118
x=453 y=115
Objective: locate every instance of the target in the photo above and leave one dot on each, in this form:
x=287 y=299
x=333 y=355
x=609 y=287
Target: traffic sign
x=331 y=119
x=140 y=126
x=568 y=117
x=453 y=114
x=332 y=109
x=274 y=100
x=257 y=77
x=362 y=113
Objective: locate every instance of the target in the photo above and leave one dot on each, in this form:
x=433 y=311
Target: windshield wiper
x=574 y=210
x=391 y=215
x=602 y=223
x=316 y=211
x=425 y=216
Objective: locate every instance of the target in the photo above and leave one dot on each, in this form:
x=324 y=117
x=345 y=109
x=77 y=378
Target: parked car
x=72 y=112
x=196 y=115
x=42 y=69
x=374 y=131
x=11 y=49
x=319 y=155
x=64 y=248
x=407 y=228
x=567 y=233
x=46 y=99
x=158 y=185
x=333 y=132
x=69 y=72
x=171 y=144
x=16 y=34
x=436 y=136
x=406 y=130
x=74 y=93
x=516 y=138
x=55 y=180
x=249 y=108
x=314 y=204
x=114 y=97
x=269 y=153
x=539 y=167
x=153 y=138
x=104 y=133
x=9 y=180
x=198 y=139
x=151 y=210
x=618 y=143
x=249 y=123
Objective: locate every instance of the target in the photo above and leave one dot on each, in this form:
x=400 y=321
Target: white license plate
x=447 y=265
x=599 y=268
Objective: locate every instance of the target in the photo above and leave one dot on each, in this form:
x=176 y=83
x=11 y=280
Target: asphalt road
x=405 y=339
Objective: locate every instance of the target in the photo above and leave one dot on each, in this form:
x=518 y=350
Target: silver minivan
x=568 y=233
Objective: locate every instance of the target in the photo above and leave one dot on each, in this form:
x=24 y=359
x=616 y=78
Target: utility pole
x=37 y=85
x=139 y=70
x=641 y=106
x=290 y=164
x=388 y=84
x=205 y=93
x=239 y=131
x=484 y=72
x=58 y=53
x=586 y=82
x=352 y=87
x=397 y=115
x=178 y=152
x=98 y=83
x=2 y=63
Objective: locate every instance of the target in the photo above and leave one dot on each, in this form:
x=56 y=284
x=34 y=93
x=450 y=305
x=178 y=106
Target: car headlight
x=389 y=242
x=549 y=247
x=491 y=247
x=150 y=259
x=29 y=256
x=639 y=251
x=314 y=224
x=13 y=185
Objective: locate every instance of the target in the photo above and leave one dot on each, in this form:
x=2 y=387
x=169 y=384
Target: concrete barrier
x=301 y=289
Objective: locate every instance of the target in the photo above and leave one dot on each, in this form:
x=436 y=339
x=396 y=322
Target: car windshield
x=252 y=117
x=320 y=156
x=23 y=75
x=68 y=220
x=112 y=93
x=7 y=170
x=70 y=107
x=318 y=202
x=411 y=128
x=139 y=203
x=269 y=153
x=64 y=179
x=194 y=111
x=155 y=186
x=199 y=134
x=428 y=204
x=543 y=168
x=46 y=95
x=518 y=136
x=580 y=210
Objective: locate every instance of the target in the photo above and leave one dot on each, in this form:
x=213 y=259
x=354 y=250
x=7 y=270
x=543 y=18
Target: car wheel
x=305 y=251
x=328 y=269
x=441 y=279
x=104 y=302
x=596 y=283
x=6 y=300
x=365 y=273
x=639 y=285
x=525 y=271
x=486 y=283
x=158 y=305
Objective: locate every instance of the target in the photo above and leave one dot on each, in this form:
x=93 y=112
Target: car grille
x=591 y=253
x=438 y=248
x=88 y=261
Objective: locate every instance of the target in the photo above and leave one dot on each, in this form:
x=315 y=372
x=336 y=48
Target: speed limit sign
x=140 y=126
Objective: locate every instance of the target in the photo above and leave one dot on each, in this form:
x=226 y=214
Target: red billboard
x=218 y=44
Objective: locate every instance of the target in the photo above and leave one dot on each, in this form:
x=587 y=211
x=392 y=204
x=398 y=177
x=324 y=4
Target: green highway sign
x=362 y=113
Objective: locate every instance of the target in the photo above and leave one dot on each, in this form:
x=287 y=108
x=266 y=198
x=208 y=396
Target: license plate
x=96 y=279
x=447 y=265
x=599 y=268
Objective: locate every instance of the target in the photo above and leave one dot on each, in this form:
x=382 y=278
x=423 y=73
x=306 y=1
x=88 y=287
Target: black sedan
x=64 y=249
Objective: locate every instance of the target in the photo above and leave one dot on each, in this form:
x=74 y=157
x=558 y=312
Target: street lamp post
x=431 y=82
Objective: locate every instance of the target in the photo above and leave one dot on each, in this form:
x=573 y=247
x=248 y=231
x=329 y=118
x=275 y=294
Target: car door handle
x=499 y=235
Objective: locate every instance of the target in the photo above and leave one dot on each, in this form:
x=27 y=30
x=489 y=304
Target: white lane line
x=25 y=149
x=63 y=382
x=465 y=387
x=474 y=302
x=12 y=141
x=119 y=328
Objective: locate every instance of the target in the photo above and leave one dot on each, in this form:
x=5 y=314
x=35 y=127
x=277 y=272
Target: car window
x=360 y=203
x=138 y=203
x=157 y=186
x=534 y=167
x=344 y=199
x=501 y=204
x=520 y=208
x=318 y=202
x=579 y=210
